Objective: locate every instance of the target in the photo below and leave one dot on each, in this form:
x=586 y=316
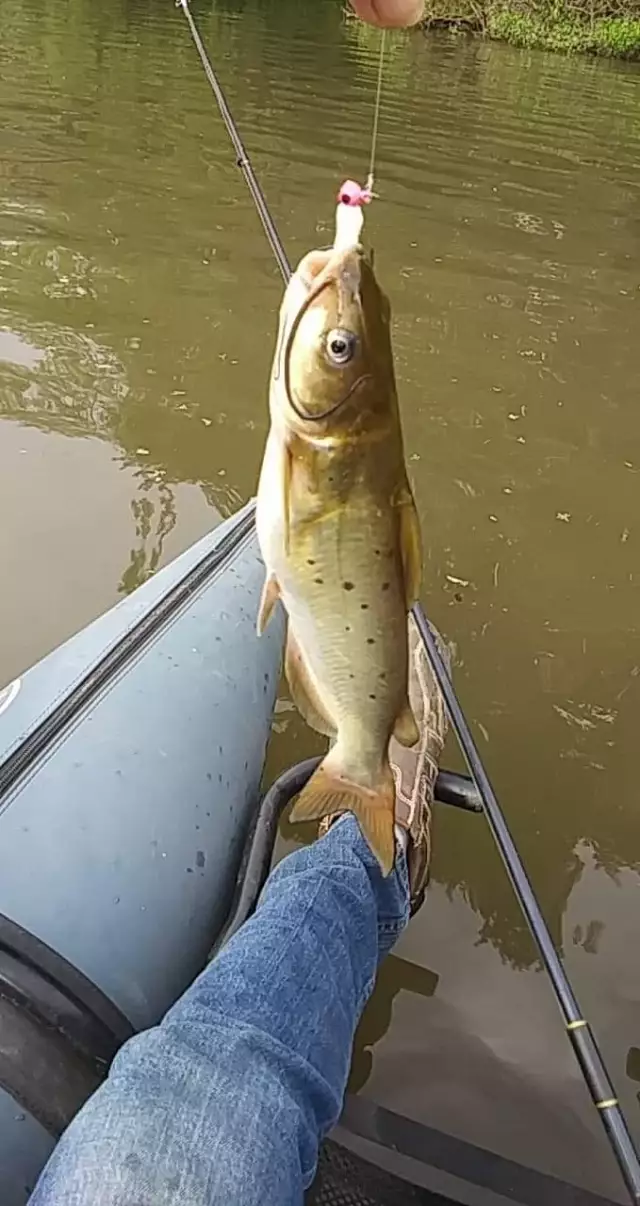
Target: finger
x=389 y=14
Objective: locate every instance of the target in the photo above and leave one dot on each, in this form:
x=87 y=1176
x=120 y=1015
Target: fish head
x=333 y=367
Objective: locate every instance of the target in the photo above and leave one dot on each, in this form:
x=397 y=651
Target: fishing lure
x=352 y=193
x=352 y=197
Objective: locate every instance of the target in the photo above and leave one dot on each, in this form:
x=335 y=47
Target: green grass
x=567 y=26
x=615 y=36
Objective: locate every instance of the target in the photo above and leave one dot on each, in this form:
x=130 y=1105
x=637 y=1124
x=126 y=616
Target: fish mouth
x=330 y=275
x=319 y=417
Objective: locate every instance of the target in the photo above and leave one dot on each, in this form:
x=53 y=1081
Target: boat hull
x=130 y=765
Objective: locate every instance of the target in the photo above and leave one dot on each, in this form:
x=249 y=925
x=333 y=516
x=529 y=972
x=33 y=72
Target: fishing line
x=376 y=115
x=581 y=1036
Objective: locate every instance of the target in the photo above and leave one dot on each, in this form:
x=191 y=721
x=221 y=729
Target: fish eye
x=340 y=346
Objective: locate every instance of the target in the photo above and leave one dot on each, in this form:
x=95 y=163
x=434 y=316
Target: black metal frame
x=451 y=788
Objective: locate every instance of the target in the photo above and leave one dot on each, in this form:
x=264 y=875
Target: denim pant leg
x=225 y=1102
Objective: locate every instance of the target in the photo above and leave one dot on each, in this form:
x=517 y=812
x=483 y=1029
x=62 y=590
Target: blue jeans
x=225 y=1103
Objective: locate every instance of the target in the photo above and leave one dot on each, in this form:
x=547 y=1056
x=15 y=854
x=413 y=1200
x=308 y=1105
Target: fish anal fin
x=304 y=691
x=327 y=793
x=406 y=729
x=268 y=599
x=411 y=548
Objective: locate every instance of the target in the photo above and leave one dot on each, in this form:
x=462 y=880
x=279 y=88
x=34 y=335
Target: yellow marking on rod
x=576 y=1025
x=607 y=1105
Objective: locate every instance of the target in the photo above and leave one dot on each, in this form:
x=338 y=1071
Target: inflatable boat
x=134 y=842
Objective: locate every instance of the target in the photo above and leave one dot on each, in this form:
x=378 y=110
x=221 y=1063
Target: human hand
x=389 y=14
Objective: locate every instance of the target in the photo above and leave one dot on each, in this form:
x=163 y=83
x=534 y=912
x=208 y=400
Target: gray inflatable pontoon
x=130 y=766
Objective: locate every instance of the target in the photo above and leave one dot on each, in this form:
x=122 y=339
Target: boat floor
x=345 y=1179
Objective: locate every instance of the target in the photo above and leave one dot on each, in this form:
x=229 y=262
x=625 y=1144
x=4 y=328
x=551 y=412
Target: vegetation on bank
x=603 y=27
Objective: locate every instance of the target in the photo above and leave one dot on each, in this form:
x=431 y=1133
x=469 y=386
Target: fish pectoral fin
x=411 y=549
x=327 y=793
x=304 y=691
x=268 y=599
x=406 y=729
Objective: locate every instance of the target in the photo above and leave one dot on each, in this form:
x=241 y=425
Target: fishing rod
x=580 y=1033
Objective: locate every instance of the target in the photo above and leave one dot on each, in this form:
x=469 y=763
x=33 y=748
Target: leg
x=225 y=1102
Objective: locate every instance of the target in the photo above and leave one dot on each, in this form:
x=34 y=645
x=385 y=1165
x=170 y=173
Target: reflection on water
x=60 y=380
x=15 y=350
x=395 y=976
x=486 y=1056
x=137 y=312
x=76 y=504
x=154 y=512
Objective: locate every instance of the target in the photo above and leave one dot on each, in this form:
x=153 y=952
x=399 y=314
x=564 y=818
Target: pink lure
x=352 y=193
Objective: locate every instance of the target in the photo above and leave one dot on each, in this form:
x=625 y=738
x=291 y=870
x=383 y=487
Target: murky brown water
x=137 y=311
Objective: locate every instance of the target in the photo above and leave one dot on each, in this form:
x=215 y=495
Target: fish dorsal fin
x=304 y=691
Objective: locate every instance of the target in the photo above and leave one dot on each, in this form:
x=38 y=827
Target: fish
x=339 y=533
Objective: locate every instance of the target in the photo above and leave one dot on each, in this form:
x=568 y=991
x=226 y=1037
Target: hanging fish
x=338 y=530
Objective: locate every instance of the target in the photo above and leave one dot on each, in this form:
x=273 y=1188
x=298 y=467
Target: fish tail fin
x=328 y=793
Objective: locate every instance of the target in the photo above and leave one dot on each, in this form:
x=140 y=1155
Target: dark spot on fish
x=319 y=581
x=348 y=585
x=347 y=628
x=310 y=561
x=383 y=675
x=371 y=640
x=200 y=858
x=386 y=585
x=377 y=552
x=364 y=606
x=372 y=697
x=458 y=597
x=352 y=676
